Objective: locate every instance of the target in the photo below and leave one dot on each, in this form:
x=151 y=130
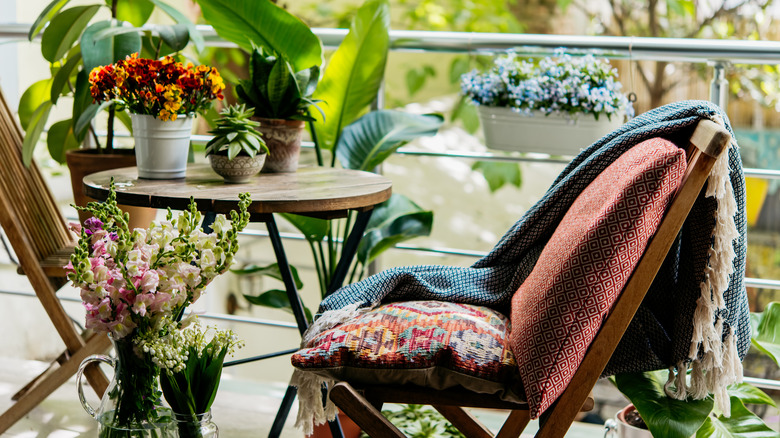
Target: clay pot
x=283 y=138
x=83 y=162
x=238 y=170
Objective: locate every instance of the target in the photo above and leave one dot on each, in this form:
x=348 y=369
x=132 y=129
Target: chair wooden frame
x=42 y=242
x=363 y=403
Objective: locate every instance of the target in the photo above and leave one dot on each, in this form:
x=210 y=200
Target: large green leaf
x=271 y=270
x=767 y=336
x=275 y=299
x=354 y=73
x=195 y=36
x=498 y=173
x=664 y=416
x=136 y=12
x=176 y=36
x=368 y=141
x=32 y=98
x=34 y=130
x=63 y=75
x=45 y=16
x=749 y=394
x=60 y=139
x=64 y=30
x=97 y=51
x=741 y=424
x=265 y=24
x=396 y=220
x=313 y=229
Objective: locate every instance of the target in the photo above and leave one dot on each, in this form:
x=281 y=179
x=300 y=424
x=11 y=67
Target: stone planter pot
x=83 y=162
x=283 y=138
x=161 y=147
x=238 y=170
x=619 y=428
x=553 y=134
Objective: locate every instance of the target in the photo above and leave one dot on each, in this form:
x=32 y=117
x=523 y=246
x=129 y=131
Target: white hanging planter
x=553 y=134
x=161 y=147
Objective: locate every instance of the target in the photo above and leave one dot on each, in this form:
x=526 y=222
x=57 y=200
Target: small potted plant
x=556 y=106
x=281 y=98
x=237 y=151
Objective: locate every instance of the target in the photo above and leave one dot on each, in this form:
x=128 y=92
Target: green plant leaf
x=97 y=50
x=396 y=220
x=416 y=77
x=664 y=416
x=368 y=141
x=64 y=30
x=741 y=424
x=32 y=98
x=135 y=12
x=354 y=73
x=265 y=24
x=749 y=394
x=82 y=100
x=313 y=229
x=60 y=139
x=80 y=129
x=467 y=113
x=271 y=270
x=498 y=173
x=459 y=66
x=278 y=81
x=176 y=36
x=195 y=36
x=767 y=337
x=63 y=75
x=45 y=16
x=276 y=299
x=35 y=128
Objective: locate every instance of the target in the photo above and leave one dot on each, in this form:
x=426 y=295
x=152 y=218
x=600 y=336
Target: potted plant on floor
x=74 y=42
x=237 y=151
x=553 y=106
x=281 y=98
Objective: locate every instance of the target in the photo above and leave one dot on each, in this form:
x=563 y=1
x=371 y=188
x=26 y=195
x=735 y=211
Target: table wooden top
x=317 y=191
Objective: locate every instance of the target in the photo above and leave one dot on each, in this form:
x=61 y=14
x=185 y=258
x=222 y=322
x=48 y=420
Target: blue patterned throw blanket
x=695 y=315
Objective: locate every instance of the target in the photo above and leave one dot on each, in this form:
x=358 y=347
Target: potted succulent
x=281 y=98
x=560 y=104
x=237 y=151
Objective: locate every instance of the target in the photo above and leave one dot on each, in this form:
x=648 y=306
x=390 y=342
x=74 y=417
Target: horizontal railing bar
x=648 y=48
x=762 y=383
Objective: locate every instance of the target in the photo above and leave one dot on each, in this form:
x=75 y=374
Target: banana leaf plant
x=359 y=138
x=672 y=418
x=74 y=44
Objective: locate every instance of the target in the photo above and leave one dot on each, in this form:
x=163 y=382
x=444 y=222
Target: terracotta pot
x=83 y=162
x=283 y=138
x=348 y=428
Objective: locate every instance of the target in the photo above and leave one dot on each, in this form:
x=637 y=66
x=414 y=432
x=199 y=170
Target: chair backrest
x=30 y=216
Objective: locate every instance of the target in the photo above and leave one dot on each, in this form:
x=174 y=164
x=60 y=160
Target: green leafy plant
x=275 y=91
x=73 y=45
x=418 y=421
x=669 y=417
x=235 y=133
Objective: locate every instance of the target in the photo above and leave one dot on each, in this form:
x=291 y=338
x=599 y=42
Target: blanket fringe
x=713 y=358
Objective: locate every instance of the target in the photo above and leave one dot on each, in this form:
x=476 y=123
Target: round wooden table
x=315 y=191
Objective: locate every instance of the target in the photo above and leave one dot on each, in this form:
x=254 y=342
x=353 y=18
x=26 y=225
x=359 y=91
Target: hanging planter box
x=552 y=134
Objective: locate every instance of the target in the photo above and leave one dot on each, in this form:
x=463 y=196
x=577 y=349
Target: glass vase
x=131 y=406
x=195 y=426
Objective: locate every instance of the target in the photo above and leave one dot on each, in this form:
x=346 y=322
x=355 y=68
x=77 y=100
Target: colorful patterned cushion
x=428 y=343
x=558 y=309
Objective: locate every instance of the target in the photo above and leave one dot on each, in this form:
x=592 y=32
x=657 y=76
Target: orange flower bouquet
x=163 y=88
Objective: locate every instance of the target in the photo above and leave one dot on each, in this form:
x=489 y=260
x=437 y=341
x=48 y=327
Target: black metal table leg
x=283 y=412
x=349 y=250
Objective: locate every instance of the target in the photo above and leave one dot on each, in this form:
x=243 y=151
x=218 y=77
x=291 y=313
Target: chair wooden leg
x=53 y=380
x=515 y=424
x=466 y=423
x=362 y=412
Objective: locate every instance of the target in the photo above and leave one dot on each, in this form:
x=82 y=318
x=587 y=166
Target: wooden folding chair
x=42 y=242
x=363 y=403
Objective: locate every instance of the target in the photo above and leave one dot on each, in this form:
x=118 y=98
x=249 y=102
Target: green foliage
x=235 y=134
x=74 y=44
x=416 y=78
x=418 y=421
x=741 y=423
x=766 y=337
x=250 y=23
x=498 y=173
x=275 y=90
x=460 y=15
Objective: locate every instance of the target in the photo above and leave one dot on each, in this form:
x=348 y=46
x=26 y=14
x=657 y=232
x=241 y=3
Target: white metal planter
x=553 y=134
x=161 y=147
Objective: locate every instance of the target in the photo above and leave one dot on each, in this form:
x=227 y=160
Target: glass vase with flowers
x=135 y=286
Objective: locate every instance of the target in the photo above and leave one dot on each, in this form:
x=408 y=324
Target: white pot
x=620 y=429
x=553 y=134
x=161 y=147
